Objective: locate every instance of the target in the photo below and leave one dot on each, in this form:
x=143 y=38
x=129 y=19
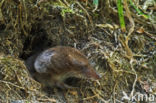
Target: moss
x=15 y=82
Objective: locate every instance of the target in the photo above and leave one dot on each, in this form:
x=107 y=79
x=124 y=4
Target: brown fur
x=56 y=64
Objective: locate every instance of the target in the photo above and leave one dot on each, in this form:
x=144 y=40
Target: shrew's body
x=52 y=66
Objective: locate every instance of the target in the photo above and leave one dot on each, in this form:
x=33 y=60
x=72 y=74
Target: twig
x=85 y=12
x=11 y=84
x=128 y=14
x=125 y=43
x=150 y=35
x=134 y=84
x=114 y=93
x=49 y=99
x=96 y=95
x=66 y=3
x=1 y=15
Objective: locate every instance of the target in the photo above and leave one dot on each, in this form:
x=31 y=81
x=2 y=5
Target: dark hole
x=73 y=81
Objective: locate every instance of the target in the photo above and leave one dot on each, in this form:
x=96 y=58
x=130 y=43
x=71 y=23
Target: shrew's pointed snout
x=92 y=74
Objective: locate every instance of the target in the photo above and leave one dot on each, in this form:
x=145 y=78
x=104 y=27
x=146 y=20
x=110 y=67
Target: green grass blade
x=121 y=15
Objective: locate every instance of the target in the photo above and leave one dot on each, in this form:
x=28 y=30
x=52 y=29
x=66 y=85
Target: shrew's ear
x=76 y=61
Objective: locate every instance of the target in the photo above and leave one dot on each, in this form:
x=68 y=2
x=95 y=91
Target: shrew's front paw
x=62 y=85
